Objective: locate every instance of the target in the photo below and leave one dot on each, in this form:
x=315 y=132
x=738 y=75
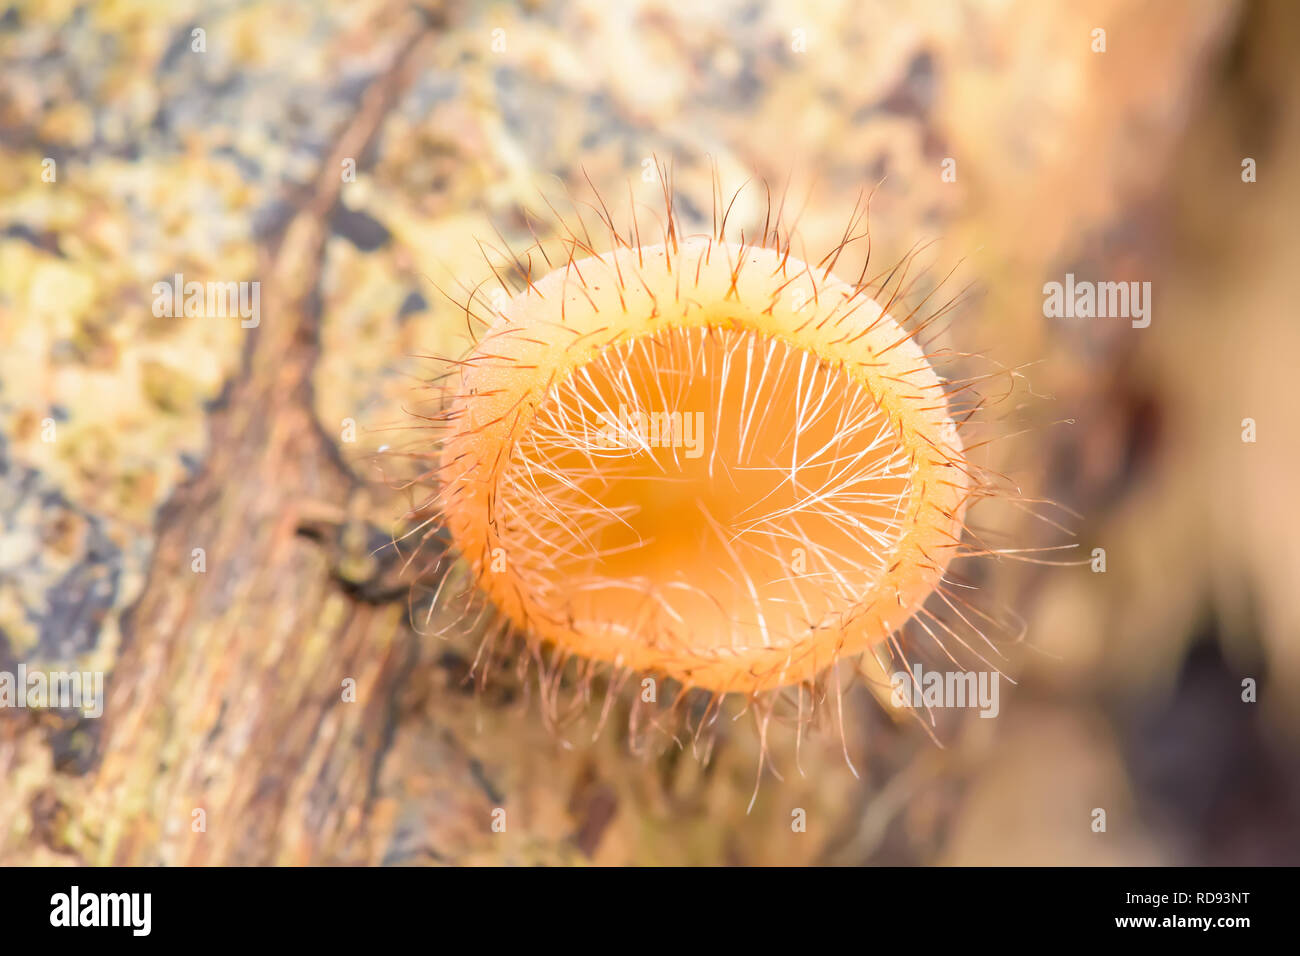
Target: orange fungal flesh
x=704 y=460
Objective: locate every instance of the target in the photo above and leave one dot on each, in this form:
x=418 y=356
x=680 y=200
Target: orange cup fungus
x=703 y=459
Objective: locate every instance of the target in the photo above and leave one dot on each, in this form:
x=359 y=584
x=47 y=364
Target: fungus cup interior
x=708 y=461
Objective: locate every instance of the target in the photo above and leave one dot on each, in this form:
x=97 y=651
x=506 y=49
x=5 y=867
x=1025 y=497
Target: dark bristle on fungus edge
x=711 y=461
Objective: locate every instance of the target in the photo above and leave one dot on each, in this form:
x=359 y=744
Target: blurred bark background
x=226 y=164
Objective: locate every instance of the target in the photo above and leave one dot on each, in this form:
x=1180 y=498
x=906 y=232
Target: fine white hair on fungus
x=707 y=460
